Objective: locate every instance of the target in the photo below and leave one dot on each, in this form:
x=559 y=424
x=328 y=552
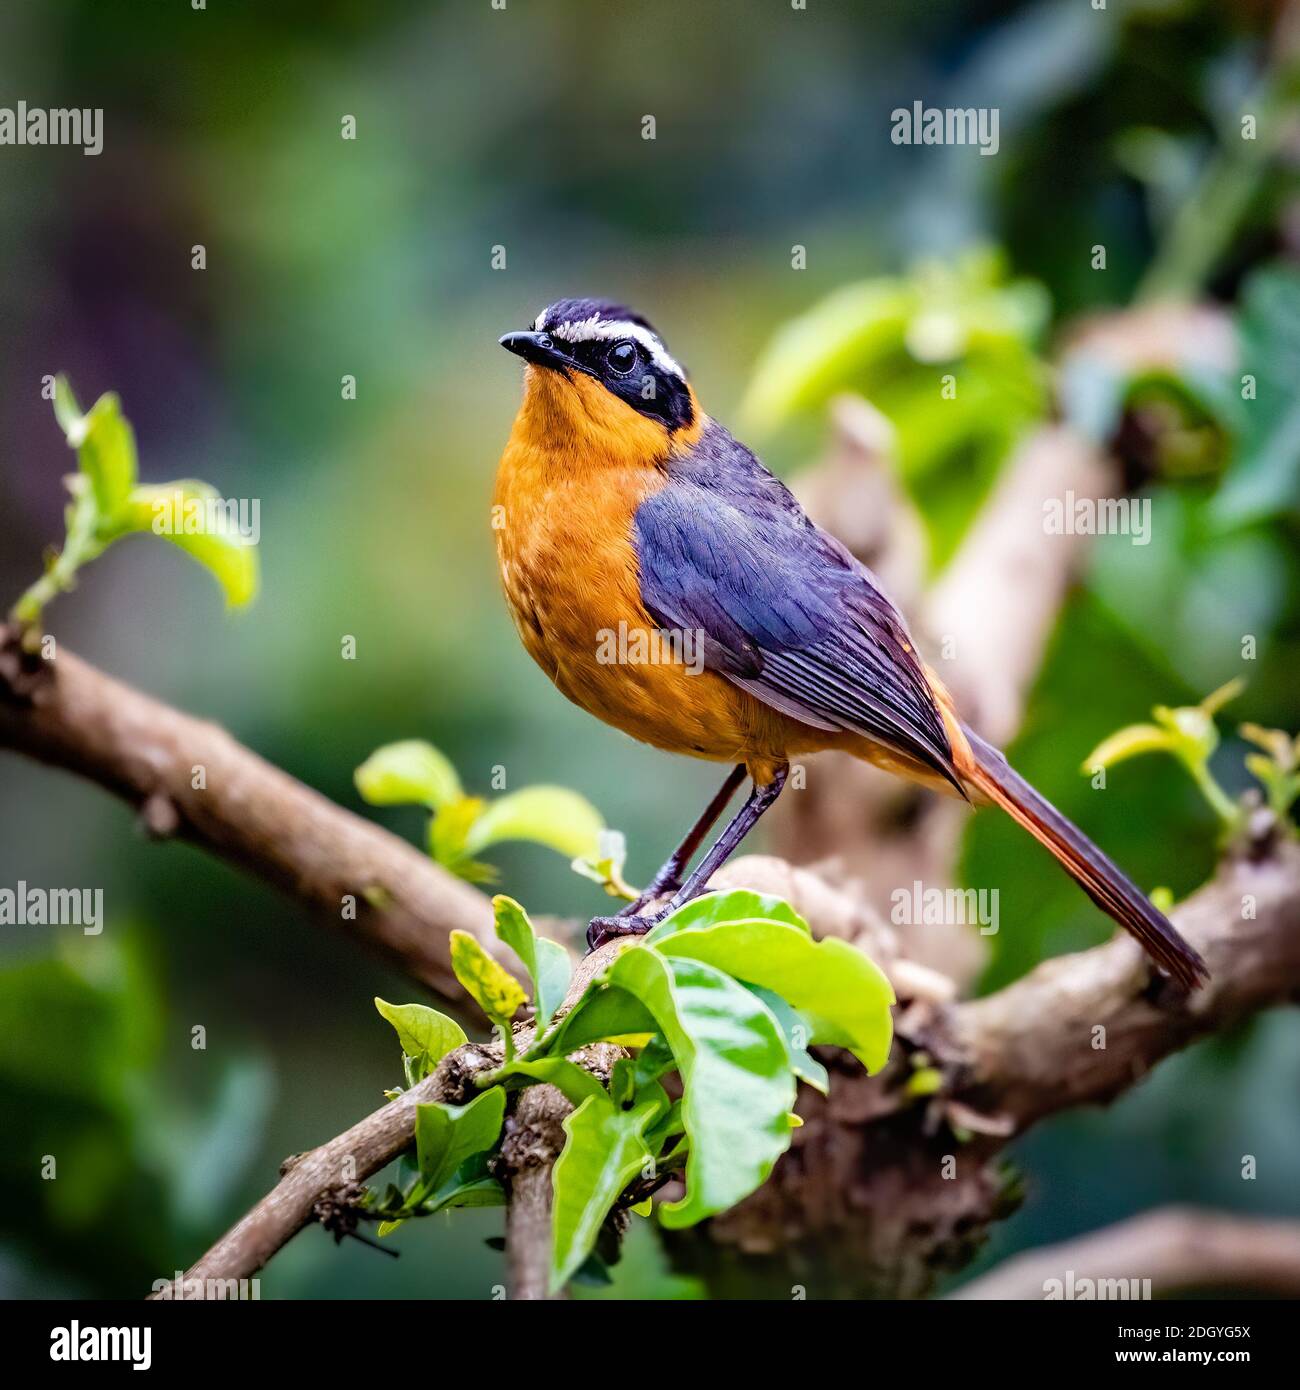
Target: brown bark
x=534 y=1140
x=883 y=1192
x=321 y=1184
x=348 y=870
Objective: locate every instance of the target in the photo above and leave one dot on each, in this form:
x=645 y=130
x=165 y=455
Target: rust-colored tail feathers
x=1104 y=882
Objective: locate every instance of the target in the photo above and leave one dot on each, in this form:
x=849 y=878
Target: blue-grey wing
x=784 y=611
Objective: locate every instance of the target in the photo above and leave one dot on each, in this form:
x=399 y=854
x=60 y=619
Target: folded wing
x=785 y=611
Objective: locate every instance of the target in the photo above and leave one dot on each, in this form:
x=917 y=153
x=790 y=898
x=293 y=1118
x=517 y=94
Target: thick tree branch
x=534 y=1140
x=885 y=1189
x=1081 y=1029
x=1177 y=1248
x=350 y=871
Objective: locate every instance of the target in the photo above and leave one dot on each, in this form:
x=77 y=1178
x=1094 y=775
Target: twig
x=350 y=871
x=319 y=1184
x=314 y=1182
x=1169 y=1251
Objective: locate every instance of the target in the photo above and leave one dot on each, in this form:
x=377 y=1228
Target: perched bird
x=621 y=508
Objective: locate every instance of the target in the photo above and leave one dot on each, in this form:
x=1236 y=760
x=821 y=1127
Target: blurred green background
x=521 y=128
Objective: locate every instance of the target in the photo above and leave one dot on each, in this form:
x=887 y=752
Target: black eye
x=621 y=358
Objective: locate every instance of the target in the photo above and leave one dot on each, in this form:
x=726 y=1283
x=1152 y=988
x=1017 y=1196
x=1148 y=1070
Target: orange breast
x=562 y=518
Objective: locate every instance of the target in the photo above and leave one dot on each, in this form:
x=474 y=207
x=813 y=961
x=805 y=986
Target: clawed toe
x=603 y=929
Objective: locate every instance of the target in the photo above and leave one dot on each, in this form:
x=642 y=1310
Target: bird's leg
x=669 y=877
x=602 y=929
x=760 y=799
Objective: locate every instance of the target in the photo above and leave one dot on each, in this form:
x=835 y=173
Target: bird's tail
x=1106 y=884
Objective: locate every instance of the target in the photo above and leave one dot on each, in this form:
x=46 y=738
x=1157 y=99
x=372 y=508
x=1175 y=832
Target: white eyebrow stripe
x=586 y=330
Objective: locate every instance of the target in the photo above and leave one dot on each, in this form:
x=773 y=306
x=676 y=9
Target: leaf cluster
x=413 y=772
x=728 y=994
x=108 y=502
x=1190 y=735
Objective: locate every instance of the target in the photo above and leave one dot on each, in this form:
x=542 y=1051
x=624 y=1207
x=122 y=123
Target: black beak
x=540 y=348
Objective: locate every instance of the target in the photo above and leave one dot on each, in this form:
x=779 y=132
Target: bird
x=743 y=632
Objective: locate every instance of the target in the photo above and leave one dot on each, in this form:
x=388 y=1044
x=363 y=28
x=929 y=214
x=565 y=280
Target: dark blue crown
x=576 y=310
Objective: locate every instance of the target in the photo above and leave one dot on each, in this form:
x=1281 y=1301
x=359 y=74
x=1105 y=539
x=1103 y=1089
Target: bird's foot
x=603 y=929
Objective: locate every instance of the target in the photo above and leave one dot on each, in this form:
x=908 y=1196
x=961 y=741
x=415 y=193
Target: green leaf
x=447 y=1135
x=606 y=868
x=602 y=1014
x=738 y=1087
x=797 y=1032
x=813 y=355
x=106 y=452
x=574 y=1081
x=736 y=905
x=654 y=1059
x=622 y=1082
x=604 y=1151
x=162 y=509
x=887 y=341
x=924 y=1081
x=553 y=816
x=547 y=962
x=471 y=1185
x=426 y=1035
x=666 y=1127
x=1189 y=734
x=448 y=833
x=843 y=994
x=411 y=772
x=68 y=413
x=1265 y=475
x=489 y=984
x=480 y=1192
x=877 y=335
x=1129 y=742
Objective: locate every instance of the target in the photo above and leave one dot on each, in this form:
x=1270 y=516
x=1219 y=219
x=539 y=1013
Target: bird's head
x=599 y=368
